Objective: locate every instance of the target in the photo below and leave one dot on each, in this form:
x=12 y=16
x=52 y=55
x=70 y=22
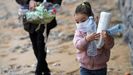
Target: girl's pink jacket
x=92 y=63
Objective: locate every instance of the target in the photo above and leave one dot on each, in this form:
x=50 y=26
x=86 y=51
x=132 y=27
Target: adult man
x=37 y=37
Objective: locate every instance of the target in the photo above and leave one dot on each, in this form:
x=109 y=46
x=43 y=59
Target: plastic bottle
x=119 y=28
x=91 y=50
x=105 y=18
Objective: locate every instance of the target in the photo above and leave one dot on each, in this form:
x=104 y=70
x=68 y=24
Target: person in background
x=37 y=37
x=90 y=64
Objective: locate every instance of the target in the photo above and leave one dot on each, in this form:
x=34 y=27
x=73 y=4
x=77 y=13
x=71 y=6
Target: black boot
x=47 y=73
x=38 y=73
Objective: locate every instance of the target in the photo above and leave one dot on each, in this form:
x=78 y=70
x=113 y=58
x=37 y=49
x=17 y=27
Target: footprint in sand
x=13 y=59
x=3 y=55
x=71 y=53
x=114 y=57
x=24 y=50
x=29 y=66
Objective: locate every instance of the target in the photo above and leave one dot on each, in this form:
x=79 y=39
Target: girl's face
x=79 y=18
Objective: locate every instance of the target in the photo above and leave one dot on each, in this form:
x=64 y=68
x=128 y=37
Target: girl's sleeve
x=108 y=42
x=79 y=41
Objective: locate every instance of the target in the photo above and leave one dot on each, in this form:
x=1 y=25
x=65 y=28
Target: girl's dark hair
x=84 y=8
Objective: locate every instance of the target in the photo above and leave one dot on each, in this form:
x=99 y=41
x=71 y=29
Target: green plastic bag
x=40 y=16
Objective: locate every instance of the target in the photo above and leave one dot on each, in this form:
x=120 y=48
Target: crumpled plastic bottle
x=91 y=49
x=118 y=28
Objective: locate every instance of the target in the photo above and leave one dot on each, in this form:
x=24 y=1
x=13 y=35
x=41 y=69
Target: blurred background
x=16 y=54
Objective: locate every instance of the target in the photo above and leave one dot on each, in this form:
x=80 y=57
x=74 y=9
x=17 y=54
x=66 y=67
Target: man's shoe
x=47 y=73
x=38 y=73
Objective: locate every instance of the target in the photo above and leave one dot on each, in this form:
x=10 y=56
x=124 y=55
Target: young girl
x=90 y=64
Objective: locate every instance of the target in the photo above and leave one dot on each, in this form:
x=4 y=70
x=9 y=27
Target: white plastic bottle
x=103 y=24
x=91 y=50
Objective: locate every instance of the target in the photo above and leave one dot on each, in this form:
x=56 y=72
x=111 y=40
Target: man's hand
x=32 y=5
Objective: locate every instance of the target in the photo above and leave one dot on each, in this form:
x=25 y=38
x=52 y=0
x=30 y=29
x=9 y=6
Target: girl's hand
x=32 y=5
x=108 y=40
x=93 y=36
x=104 y=34
x=97 y=20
